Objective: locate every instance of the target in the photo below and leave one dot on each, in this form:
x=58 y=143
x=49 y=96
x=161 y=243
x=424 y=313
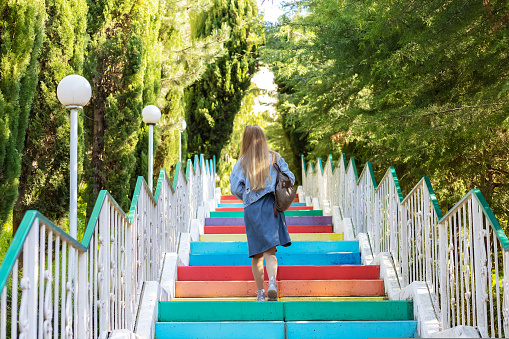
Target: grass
x=5 y=238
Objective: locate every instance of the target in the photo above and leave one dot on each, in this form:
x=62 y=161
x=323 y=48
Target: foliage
x=418 y=85
x=44 y=180
x=212 y=102
x=21 y=29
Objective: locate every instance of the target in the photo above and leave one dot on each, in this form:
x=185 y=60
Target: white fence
x=55 y=287
x=463 y=256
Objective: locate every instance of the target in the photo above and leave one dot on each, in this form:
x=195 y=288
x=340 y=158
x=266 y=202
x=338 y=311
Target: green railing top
x=368 y=169
x=320 y=165
x=492 y=220
x=26 y=224
x=476 y=193
x=331 y=162
x=433 y=197
x=396 y=183
x=352 y=163
x=19 y=239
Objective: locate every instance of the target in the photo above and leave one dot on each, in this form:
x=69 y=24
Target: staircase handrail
x=455 y=253
x=89 y=288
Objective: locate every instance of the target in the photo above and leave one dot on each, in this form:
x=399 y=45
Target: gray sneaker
x=260 y=295
x=272 y=291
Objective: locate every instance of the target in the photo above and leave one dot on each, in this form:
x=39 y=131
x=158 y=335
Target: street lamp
x=183 y=126
x=74 y=92
x=151 y=116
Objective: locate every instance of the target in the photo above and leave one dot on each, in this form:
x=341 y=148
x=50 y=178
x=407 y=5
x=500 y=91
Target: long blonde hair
x=255 y=155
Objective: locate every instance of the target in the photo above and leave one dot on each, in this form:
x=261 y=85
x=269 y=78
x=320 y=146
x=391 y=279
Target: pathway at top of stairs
x=324 y=290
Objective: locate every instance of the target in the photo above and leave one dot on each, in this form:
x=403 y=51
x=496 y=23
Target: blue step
x=221 y=330
x=240 y=247
x=233 y=205
x=332 y=258
x=351 y=329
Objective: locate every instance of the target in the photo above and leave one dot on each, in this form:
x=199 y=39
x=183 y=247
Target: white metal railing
x=463 y=256
x=52 y=286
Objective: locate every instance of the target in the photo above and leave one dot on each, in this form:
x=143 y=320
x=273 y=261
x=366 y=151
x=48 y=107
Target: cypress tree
x=21 y=32
x=122 y=64
x=44 y=181
x=213 y=101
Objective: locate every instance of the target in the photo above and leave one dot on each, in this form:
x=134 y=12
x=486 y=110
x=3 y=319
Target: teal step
x=359 y=310
x=351 y=329
x=240 y=214
x=220 y=311
x=349 y=310
x=240 y=247
x=242 y=259
x=221 y=330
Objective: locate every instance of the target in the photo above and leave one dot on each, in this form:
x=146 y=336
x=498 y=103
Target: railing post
x=377 y=223
x=481 y=269
x=403 y=256
x=103 y=276
x=82 y=304
x=443 y=271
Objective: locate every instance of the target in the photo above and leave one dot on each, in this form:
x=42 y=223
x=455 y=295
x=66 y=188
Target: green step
x=240 y=214
x=220 y=311
x=348 y=310
x=247 y=310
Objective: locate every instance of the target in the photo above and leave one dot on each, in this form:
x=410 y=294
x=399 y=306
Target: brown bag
x=284 y=193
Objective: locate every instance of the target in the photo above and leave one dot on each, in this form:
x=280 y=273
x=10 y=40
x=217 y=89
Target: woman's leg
x=271 y=262
x=257 y=268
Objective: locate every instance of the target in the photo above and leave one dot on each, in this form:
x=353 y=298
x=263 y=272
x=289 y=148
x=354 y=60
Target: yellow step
x=294 y=237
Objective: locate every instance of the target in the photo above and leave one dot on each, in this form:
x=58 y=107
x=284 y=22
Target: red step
x=291 y=229
x=294 y=272
x=293 y=208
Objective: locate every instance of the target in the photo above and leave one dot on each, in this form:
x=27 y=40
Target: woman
x=253 y=180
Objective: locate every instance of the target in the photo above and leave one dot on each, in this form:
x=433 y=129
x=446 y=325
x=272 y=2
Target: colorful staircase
x=324 y=290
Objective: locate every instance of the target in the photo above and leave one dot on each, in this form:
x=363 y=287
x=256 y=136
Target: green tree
x=213 y=101
x=44 y=180
x=21 y=30
x=421 y=86
x=123 y=64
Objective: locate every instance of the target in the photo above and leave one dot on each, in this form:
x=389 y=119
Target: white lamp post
x=74 y=92
x=151 y=116
x=183 y=126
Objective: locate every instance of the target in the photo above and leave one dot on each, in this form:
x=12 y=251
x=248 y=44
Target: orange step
x=286 y=288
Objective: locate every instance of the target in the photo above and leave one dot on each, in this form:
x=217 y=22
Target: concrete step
x=240 y=247
x=292 y=208
x=221 y=330
x=286 y=288
x=331 y=258
x=241 y=205
x=294 y=237
x=291 y=229
x=240 y=214
x=297 y=272
x=295 y=220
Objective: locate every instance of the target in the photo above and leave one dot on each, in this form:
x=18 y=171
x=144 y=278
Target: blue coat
x=240 y=186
